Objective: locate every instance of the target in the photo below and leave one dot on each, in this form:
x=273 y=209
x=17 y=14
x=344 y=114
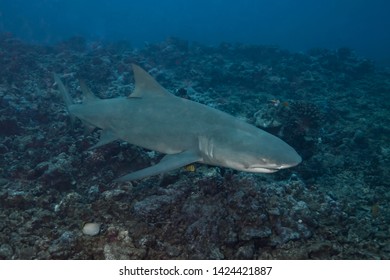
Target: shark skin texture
x=184 y=130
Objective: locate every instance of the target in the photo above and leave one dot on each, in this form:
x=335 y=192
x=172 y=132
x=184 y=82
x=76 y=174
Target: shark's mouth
x=269 y=169
x=263 y=169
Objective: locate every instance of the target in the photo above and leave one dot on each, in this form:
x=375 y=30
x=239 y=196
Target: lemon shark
x=184 y=130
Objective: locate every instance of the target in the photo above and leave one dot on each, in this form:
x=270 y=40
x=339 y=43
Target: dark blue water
x=295 y=25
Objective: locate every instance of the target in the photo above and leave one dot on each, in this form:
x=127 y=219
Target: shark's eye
x=264 y=160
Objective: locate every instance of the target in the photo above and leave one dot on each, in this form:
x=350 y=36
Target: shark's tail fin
x=64 y=92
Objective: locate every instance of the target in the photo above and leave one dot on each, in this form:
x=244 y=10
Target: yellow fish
x=190 y=168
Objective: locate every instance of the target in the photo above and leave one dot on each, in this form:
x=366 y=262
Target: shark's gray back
x=178 y=122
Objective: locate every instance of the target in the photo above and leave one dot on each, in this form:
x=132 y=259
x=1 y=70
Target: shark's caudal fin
x=65 y=95
x=88 y=95
x=146 y=85
x=64 y=92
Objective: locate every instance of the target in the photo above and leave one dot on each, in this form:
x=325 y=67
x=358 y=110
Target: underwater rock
x=245 y=252
x=62 y=247
x=171 y=250
x=300 y=211
x=3 y=181
x=91 y=229
x=123 y=249
x=18 y=199
x=57 y=172
x=328 y=104
x=9 y=126
x=66 y=204
x=284 y=234
x=248 y=233
x=267 y=118
x=6 y=252
x=152 y=204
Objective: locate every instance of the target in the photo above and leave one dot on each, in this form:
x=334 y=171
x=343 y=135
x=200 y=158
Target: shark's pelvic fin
x=146 y=85
x=106 y=136
x=168 y=163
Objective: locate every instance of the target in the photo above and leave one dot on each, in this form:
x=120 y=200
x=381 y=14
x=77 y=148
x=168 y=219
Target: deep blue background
x=298 y=25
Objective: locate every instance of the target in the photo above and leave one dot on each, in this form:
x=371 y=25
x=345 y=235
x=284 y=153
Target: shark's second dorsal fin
x=146 y=85
x=88 y=94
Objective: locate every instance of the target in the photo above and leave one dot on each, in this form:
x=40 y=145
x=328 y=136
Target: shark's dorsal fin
x=146 y=85
x=88 y=94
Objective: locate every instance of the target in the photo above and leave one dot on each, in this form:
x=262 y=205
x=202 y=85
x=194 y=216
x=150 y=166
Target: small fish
x=285 y=103
x=190 y=168
x=375 y=209
x=275 y=102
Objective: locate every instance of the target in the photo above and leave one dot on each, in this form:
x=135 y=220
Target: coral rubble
x=331 y=105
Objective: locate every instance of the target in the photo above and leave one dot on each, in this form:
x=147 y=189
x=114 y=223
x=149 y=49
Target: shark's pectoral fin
x=106 y=136
x=168 y=163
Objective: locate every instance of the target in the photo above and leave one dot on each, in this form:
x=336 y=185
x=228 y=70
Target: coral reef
x=331 y=105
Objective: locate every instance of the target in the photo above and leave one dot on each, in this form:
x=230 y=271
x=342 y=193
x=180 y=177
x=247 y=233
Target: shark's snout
x=292 y=159
x=282 y=156
x=289 y=158
x=291 y=163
